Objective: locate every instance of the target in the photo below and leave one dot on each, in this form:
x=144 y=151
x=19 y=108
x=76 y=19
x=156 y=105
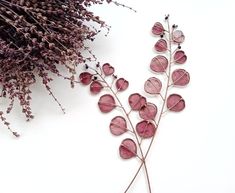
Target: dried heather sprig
x=36 y=38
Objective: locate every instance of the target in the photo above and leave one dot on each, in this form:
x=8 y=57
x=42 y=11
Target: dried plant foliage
x=37 y=38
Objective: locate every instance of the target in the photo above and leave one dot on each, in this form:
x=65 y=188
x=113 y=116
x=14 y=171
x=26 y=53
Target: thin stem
x=161 y=112
x=119 y=4
x=141 y=159
x=164 y=112
x=161 y=96
x=133 y=179
x=129 y=112
x=53 y=96
x=133 y=130
x=3 y=119
x=166 y=74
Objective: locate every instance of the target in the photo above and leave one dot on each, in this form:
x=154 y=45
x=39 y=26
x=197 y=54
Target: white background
x=194 y=150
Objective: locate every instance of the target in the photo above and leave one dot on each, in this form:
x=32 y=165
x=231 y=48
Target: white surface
x=194 y=151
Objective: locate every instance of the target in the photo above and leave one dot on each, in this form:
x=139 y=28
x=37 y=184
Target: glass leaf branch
x=169 y=54
x=129 y=148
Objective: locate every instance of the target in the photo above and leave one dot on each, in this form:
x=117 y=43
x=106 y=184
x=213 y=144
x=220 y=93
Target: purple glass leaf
x=159 y=64
x=106 y=103
x=136 y=101
x=178 y=37
x=153 y=86
x=161 y=45
x=122 y=84
x=180 y=77
x=158 y=29
x=96 y=87
x=148 y=112
x=107 y=69
x=118 y=125
x=145 y=129
x=175 y=103
x=180 y=57
x=128 y=149
x=85 y=78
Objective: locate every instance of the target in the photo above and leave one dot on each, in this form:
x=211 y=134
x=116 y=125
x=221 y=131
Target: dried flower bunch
x=166 y=66
x=37 y=38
